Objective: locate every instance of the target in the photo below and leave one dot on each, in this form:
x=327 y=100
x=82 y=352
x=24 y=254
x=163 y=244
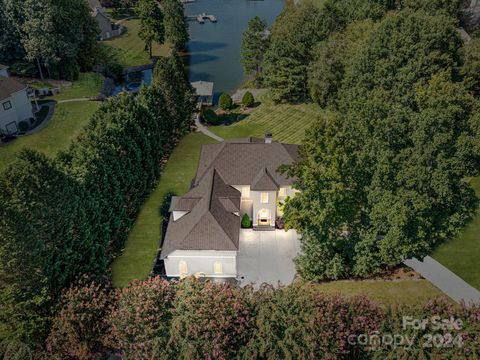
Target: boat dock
x=202 y=17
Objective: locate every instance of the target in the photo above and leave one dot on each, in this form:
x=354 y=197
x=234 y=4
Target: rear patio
x=267 y=257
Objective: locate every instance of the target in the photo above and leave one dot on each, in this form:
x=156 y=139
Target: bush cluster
x=202 y=320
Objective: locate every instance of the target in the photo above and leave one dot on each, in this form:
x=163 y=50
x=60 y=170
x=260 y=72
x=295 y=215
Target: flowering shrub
x=79 y=325
x=211 y=321
x=140 y=322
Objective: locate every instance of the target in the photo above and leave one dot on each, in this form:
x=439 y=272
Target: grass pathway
x=142 y=244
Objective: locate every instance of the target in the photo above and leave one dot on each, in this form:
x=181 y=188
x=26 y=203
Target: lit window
x=183 y=267
x=245 y=191
x=218 y=268
x=264 y=198
x=7 y=105
x=282 y=191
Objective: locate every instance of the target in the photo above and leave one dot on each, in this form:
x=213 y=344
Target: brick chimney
x=268 y=138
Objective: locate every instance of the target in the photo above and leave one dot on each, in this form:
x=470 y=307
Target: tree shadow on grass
x=231 y=118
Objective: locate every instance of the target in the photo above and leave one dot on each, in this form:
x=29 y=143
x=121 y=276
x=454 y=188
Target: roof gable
x=263 y=181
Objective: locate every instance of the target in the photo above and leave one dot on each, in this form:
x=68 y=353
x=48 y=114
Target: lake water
x=215 y=47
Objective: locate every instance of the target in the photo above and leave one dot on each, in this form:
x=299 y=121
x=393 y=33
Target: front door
x=264 y=217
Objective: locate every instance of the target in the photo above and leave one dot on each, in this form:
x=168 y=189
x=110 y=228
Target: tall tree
x=176 y=27
x=254 y=45
x=151 y=23
x=39 y=36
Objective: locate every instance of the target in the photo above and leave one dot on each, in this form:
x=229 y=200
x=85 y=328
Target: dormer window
x=264 y=197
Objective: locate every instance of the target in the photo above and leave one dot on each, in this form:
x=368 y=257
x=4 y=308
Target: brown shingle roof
x=240 y=161
x=9 y=86
x=263 y=181
x=211 y=224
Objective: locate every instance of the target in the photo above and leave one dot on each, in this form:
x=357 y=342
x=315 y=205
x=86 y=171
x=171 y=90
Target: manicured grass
x=462 y=254
x=386 y=292
x=87 y=85
x=137 y=259
x=66 y=124
x=287 y=122
x=132 y=48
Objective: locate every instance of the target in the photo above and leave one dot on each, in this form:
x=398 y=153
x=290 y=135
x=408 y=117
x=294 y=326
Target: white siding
x=21 y=109
x=202 y=261
x=271 y=206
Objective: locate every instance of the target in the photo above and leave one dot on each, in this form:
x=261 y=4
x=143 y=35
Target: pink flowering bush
x=299 y=322
x=78 y=327
x=140 y=320
x=210 y=321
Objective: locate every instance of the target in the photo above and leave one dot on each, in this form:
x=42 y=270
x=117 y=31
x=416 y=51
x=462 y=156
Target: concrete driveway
x=267 y=257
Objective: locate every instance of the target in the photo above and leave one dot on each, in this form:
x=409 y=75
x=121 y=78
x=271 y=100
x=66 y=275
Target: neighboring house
x=233 y=178
x=107 y=28
x=15 y=105
x=203 y=92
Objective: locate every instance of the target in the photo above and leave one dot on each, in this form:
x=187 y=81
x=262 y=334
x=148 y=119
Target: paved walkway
x=449 y=283
x=73 y=100
x=204 y=130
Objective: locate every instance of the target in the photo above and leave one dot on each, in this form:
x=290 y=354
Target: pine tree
x=151 y=23
x=254 y=45
x=176 y=28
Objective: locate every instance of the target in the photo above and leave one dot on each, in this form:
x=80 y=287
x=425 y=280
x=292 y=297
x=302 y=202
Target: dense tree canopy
x=382 y=176
x=35 y=31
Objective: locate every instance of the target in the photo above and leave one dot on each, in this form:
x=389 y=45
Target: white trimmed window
x=245 y=191
x=7 y=105
x=264 y=197
x=218 y=268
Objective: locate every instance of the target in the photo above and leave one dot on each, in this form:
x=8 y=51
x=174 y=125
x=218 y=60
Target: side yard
x=288 y=123
x=461 y=255
x=66 y=124
x=142 y=244
x=132 y=49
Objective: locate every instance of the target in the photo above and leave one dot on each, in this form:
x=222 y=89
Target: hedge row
x=69 y=215
x=155 y=319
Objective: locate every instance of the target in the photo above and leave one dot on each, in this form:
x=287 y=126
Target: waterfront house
x=233 y=178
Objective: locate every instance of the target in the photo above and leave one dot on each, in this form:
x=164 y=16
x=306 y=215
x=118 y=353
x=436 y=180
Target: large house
x=233 y=178
x=15 y=106
x=107 y=28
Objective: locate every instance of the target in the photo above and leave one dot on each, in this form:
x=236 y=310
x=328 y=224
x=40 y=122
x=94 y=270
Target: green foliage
x=78 y=328
x=382 y=179
x=246 y=221
x=254 y=45
x=248 y=100
x=63 y=217
x=209 y=116
x=225 y=102
x=152 y=27
x=295 y=34
x=471 y=66
x=176 y=27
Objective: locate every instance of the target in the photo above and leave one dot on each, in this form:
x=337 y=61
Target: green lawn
x=132 y=48
x=462 y=254
x=137 y=259
x=87 y=85
x=287 y=122
x=385 y=292
x=67 y=122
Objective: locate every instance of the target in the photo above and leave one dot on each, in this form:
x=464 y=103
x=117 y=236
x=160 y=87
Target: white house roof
x=203 y=88
x=9 y=86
